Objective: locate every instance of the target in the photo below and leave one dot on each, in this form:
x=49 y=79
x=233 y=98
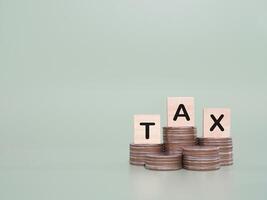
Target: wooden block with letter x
x=216 y=122
x=181 y=111
x=147 y=129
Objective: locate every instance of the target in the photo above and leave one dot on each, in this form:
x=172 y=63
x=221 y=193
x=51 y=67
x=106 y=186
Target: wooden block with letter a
x=216 y=122
x=181 y=111
x=147 y=129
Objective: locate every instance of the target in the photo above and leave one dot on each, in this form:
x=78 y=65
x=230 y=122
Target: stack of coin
x=163 y=161
x=201 y=158
x=175 y=138
x=226 y=148
x=138 y=152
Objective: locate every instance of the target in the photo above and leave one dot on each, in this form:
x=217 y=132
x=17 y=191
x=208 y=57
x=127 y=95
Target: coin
x=225 y=148
x=138 y=152
x=216 y=167
x=163 y=161
x=176 y=137
x=201 y=149
x=201 y=158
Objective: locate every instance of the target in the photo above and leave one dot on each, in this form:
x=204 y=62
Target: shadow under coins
x=150 y=184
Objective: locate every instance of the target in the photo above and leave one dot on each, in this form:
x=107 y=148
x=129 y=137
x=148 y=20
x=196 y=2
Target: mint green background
x=73 y=73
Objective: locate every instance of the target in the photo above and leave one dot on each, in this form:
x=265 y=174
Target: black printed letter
x=147 y=124
x=216 y=123
x=177 y=114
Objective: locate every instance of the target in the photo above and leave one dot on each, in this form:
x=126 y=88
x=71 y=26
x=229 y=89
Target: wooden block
x=216 y=122
x=147 y=129
x=181 y=111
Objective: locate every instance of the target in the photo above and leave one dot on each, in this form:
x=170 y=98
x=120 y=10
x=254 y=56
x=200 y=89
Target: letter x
x=217 y=123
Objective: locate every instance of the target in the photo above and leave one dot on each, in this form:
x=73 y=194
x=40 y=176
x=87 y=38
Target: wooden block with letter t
x=181 y=111
x=147 y=129
x=216 y=122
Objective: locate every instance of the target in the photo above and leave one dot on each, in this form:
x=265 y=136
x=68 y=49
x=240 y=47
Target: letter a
x=181 y=111
x=184 y=113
